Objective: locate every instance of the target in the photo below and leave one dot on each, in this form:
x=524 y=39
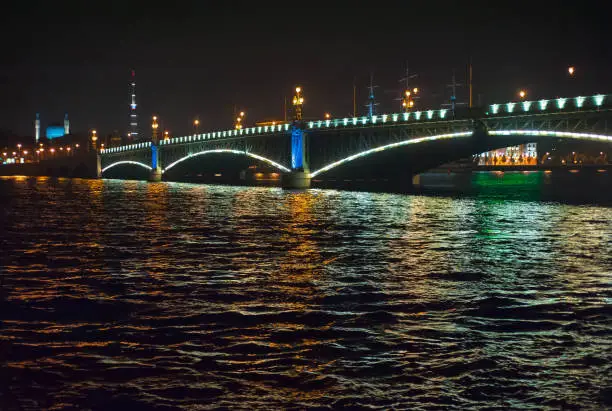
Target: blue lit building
x=54 y=132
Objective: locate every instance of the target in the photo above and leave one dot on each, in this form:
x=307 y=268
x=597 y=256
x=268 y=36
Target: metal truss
x=273 y=147
x=332 y=143
x=142 y=155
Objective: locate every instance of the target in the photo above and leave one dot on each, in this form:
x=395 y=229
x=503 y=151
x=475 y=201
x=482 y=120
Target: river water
x=134 y=295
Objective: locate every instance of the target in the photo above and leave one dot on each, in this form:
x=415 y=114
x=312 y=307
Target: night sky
x=201 y=60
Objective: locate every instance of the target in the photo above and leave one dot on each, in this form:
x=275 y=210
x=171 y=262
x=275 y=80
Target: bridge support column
x=296 y=179
x=156 y=170
x=299 y=177
x=98 y=165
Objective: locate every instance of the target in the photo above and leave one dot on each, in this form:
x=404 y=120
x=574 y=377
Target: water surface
x=125 y=294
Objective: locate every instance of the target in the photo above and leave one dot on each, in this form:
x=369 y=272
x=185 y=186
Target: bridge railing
x=548 y=105
x=380 y=119
x=129 y=147
x=215 y=135
x=510 y=108
x=507 y=109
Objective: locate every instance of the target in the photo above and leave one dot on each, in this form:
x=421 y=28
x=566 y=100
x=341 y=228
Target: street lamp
x=166 y=135
x=522 y=93
x=94 y=138
x=327 y=116
x=196 y=123
x=409 y=98
x=154 y=126
x=239 y=123
x=407 y=102
x=298 y=101
x=571 y=70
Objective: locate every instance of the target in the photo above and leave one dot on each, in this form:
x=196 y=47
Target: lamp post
x=94 y=139
x=298 y=101
x=239 y=122
x=196 y=124
x=408 y=99
x=522 y=94
x=154 y=127
x=573 y=84
x=327 y=116
x=166 y=135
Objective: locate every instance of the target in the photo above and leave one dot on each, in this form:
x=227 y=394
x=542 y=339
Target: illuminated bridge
x=302 y=150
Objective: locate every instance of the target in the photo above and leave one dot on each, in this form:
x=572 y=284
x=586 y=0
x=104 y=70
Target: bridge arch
x=252 y=155
x=390 y=146
x=118 y=163
x=536 y=133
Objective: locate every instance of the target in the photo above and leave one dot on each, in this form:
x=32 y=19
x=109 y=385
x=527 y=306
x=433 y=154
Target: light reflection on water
x=127 y=294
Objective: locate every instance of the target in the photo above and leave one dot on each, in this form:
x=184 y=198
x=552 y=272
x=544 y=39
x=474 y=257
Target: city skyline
x=239 y=58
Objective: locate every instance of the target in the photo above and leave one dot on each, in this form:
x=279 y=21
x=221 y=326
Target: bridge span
x=302 y=150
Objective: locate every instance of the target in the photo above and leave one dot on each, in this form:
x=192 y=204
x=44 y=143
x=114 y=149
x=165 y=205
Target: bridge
x=303 y=150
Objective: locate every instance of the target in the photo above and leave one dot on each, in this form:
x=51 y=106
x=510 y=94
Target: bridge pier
x=98 y=165
x=156 y=171
x=299 y=177
x=155 y=175
x=296 y=179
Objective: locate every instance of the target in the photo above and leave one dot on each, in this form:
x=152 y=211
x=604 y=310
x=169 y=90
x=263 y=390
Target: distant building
x=524 y=154
x=66 y=124
x=115 y=139
x=54 y=131
x=37 y=128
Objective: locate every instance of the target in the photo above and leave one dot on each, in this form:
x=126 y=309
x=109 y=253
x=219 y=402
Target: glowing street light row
x=542 y=105
x=239 y=122
x=494 y=109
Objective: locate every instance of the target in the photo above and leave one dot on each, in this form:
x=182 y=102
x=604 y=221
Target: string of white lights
x=258 y=157
x=535 y=133
x=118 y=163
x=389 y=146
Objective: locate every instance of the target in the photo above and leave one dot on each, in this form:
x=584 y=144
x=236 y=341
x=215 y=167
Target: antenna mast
x=453 y=99
x=371 y=101
x=470 y=82
x=355 y=97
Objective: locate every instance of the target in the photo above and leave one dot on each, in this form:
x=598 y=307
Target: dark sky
x=202 y=58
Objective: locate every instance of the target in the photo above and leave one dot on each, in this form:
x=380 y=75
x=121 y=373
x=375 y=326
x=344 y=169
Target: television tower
x=133 y=116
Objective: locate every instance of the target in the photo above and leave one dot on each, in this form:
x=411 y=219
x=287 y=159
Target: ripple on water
x=124 y=295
